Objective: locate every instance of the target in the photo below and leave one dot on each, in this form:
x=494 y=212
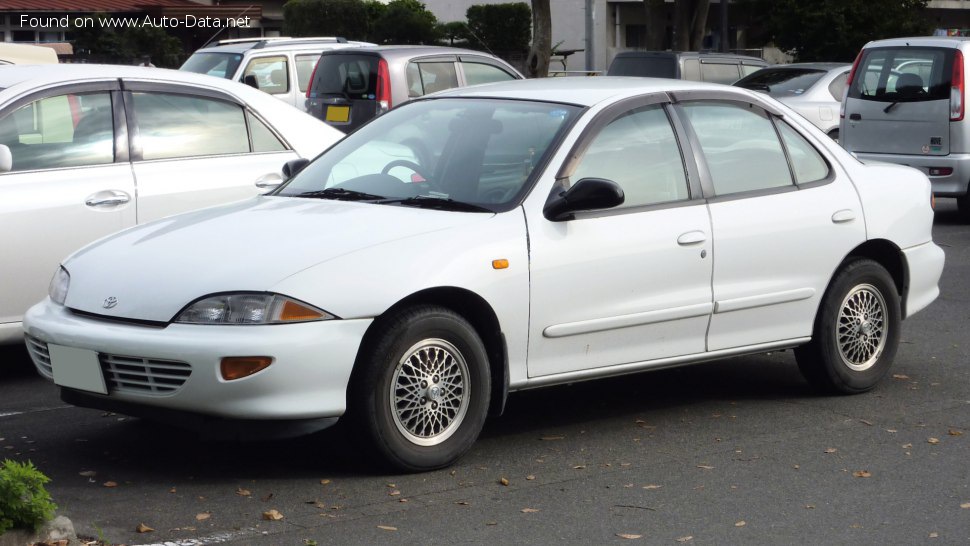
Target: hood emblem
x=110 y=302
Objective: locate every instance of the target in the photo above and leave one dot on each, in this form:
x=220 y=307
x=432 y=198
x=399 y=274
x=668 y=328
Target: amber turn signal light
x=500 y=264
x=238 y=367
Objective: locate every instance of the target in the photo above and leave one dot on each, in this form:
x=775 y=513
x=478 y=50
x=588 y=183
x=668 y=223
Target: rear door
x=899 y=102
x=343 y=92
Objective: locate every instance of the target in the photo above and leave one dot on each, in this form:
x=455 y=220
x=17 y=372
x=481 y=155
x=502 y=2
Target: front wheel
x=421 y=394
x=856 y=331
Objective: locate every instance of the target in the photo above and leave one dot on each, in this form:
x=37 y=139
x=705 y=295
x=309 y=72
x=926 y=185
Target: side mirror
x=293 y=166
x=6 y=159
x=587 y=194
x=251 y=81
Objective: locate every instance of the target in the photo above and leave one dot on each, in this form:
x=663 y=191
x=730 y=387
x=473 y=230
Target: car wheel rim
x=429 y=392
x=861 y=329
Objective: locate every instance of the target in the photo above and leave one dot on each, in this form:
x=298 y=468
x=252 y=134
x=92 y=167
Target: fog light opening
x=941 y=171
x=238 y=367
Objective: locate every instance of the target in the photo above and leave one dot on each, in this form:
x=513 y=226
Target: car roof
x=585 y=91
x=938 y=41
x=407 y=51
x=270 y=44
x=704 y=54
x=816 y=66
x=40 y=75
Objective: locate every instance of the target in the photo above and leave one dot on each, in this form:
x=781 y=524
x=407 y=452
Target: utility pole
x=590 y=16
x=725 y=39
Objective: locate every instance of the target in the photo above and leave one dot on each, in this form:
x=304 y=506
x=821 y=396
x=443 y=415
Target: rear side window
x=171 y=126
x=837 y=87
x=271 y=74
x=903 y=74
x=348 y=76
x=429 y=77
x=782 y=82
x=220 y=65
x=719 y=72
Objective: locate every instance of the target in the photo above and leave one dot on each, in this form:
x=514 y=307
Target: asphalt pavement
x=739 y=451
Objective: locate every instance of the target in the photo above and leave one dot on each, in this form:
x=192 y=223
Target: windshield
x=221 y=65
x=783 y=82
x=650 y=66
x=473 y=151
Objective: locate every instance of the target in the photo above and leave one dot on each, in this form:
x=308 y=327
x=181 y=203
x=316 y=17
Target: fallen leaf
x=579 y=467
x=387 y=527
x=955 y=432
x=933 y=441
x=907 y=446
x=324 y=482
x=491 y=523
x=741 y=523
x=810 y=507
x=628 y=536
x=652 y=486
x=402 y=500
x=110 y=484
x=965 y=505
x=272 y=515
x=552 y=438
x=203 y=516
x=705 y=467
x=88 y=473
x=687 y=538
x=391 y=485
x=504 y=481
x=463 y=503
x=934 y=535
x=243 y=492
x=900 y=376
x=172 y=490
x=864 y=422
x=530 y=477
x=394 y=493
x=529 y=510
x=142 y=528
x=831 y=450
x=862 y=474
x=267 y=497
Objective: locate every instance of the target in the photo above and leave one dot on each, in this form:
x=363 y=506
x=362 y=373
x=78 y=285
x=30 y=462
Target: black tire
x=856 y=331
x=963 y=206
x=834 y=134
x=402 y=354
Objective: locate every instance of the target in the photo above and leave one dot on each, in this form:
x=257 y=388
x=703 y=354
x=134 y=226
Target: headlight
x=249 y=309
x=59 y=285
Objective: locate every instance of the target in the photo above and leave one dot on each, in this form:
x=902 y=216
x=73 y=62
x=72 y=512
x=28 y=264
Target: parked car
x=86 y=150
x=351 y=87
x=906 y=104
x=516 y=244
x=814 y=90
x=685 y=65
x=278 y=66
x=26 y=54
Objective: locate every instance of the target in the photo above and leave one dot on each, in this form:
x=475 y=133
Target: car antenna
x=218 y=32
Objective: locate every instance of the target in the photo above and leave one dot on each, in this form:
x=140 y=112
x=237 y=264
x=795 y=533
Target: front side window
x=271 y=74
x=639 y=152
x=171 y=125
x=473 y=151
x=478 y=73
x=910 y=74
x=70 y=130
x=740 y=145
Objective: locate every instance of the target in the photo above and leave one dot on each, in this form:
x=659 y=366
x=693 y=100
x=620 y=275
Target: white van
x=26 y=54
x=279 y=66
x=906 y=103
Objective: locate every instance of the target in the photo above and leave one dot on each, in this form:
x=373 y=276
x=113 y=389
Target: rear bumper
x=925 y=265
x=952 y=185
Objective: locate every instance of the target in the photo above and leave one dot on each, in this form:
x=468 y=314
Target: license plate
x=77 y=369
x=338 y=113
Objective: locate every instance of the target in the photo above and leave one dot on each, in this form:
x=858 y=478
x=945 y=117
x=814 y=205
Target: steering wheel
x=418 y=169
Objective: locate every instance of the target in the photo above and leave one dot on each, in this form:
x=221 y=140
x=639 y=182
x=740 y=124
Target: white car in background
x=539 y=232
x=814 y=90
x=88 y=150
x=26 y=54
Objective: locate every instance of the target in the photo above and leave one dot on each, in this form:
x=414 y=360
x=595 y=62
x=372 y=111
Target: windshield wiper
x=341 y=194
x=890 y=107
x=437 y=203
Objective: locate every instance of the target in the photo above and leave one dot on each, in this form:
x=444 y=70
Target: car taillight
x=848 y=84
x=383 y=86
x=313 y=74
x=956 y=88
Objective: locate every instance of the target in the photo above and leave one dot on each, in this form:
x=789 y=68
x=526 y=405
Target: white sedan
x=87 y=150
x=514 y=235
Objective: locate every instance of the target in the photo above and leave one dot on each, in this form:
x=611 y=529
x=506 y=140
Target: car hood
x=151 y=272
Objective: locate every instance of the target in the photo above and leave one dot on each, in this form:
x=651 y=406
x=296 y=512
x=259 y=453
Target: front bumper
x=952 y=185
x=307 y=380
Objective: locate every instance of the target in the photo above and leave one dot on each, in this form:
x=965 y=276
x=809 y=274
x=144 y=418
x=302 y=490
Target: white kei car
x=87 y=150
x=537 y=232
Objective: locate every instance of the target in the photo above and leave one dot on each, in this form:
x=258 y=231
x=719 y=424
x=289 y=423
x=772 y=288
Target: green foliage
x=128 y=44
x=406 y=22
x=834 y=30
x=500 y=27
x=24 y=503
x=344 y=18
x=455 y=31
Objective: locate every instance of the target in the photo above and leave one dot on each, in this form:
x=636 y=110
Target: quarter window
x=638 y=151
x=806 y=162
x=263 y=138
x=304 y=69
x=64 y=131
x=741 y=147
x=271 y=74
x=172 y=126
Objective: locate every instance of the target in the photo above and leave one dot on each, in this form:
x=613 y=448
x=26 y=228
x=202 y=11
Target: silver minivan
x=906 y=103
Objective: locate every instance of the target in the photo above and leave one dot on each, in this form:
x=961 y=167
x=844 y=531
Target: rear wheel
x=420 y=397
x=834 y=134
x=856 y=331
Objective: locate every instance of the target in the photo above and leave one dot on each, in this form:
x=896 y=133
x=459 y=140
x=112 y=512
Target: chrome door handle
x=107 y=198
x=691 y=238
x=843 y=216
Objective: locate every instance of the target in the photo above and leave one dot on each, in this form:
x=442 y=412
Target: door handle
x=107 y=198
x=843 y=216
x=855 y=117
x=269 y=181
x=691 y=238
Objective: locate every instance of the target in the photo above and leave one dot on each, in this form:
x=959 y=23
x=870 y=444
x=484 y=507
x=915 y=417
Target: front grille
x=41 y=356
x=138 y=375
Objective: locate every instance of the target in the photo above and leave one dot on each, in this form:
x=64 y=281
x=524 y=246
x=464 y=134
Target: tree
x=690 y=24
x=500 y=27
x=128 y=45
x=656 y=12
x=406 y=22
x=835 y=30
x=537 y=63
x=345 y=18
